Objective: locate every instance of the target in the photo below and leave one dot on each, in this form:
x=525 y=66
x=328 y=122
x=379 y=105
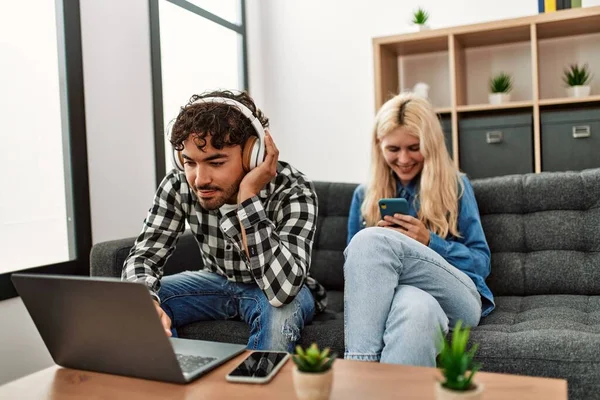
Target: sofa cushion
x=542 y=231
x=550 y=327
x=548 y=335
x=332 y=230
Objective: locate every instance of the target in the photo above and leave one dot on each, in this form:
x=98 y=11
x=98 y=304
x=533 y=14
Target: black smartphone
x=258 y=367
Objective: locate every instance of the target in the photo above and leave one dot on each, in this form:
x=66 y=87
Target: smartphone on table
x=258 y=367
x=393 y=206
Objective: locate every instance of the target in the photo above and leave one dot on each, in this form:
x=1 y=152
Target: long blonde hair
x=440 y=184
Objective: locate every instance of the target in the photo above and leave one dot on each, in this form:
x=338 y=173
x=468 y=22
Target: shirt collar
x=411 y=188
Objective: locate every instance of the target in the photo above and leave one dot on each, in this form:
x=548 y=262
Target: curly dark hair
x=226 y=124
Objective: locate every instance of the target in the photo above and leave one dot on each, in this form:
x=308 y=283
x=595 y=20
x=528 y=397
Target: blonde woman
x=408 y=275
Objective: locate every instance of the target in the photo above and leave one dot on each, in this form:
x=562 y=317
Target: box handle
x=581 y=131
x=493 y=137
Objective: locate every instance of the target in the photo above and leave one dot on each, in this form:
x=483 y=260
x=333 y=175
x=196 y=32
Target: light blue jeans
x=398 y=294
x=202 y=296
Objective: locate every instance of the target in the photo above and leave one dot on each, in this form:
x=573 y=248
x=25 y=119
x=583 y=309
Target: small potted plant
x=500 y=87
x=420 y=18
x=458 y=367
x=577 y=79
x=313 y=375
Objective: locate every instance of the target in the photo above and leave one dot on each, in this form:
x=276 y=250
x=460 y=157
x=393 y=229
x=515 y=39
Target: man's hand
x=408 y=225
x=164 y=318
x=259 y=177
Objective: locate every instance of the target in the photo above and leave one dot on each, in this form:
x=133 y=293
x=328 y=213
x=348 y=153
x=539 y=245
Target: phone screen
x=259 y=364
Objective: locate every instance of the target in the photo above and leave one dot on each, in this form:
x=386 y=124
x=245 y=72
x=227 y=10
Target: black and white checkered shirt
x=280 y=224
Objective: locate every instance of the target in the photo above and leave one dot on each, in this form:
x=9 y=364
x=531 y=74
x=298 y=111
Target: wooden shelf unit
x=491 y=107
x=569 y=100
x=443 y=110
x=464 y=44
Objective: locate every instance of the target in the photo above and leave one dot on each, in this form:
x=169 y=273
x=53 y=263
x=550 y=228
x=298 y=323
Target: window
x=194 y=49
x=44 y=207
x=226 y=9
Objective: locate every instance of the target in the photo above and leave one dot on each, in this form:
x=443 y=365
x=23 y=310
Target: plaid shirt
x=280 y=224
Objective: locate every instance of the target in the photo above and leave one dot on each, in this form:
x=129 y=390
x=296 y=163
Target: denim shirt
x=469 y=253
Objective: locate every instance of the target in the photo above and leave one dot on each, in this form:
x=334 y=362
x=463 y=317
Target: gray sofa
x=544 y=233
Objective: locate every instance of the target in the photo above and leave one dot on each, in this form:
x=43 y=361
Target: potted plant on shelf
x=313 y=375
x=420 y=18
x=458 y=368
x=577 y=79
x=500 y=87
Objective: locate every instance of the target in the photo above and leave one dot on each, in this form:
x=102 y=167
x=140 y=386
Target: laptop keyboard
x=190 y=363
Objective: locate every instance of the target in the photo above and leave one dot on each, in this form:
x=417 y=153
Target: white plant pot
x=499 y=98
x=578 y=91
x=423 y=27
x=441 y=393
x=312 y=386
x=590 y=3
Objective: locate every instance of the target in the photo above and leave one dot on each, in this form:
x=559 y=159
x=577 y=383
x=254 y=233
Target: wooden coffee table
x=352 y=380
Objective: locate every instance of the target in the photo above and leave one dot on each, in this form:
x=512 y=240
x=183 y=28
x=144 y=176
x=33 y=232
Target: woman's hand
x=408 y=225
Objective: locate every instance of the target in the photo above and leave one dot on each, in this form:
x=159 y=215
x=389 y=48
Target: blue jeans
x=189 y=297
x=398 y=294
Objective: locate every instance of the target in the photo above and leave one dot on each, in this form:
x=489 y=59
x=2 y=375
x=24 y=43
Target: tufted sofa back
x=543 y=231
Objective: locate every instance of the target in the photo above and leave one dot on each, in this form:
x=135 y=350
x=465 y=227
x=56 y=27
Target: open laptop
x=107 y=325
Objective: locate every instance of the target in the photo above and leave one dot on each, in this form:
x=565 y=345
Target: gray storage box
x=495 y=146
x=570 y=139
x=446 y=122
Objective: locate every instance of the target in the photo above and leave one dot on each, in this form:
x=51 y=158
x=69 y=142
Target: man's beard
x=221 y=196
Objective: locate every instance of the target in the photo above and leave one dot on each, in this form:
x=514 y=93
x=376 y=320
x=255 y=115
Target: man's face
x=213 y=174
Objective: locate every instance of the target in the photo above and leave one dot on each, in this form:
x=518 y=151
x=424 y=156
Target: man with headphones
x=253 y=216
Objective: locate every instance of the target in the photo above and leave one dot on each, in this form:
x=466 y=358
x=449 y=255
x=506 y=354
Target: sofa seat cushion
x=563 y=328
x=327 y=329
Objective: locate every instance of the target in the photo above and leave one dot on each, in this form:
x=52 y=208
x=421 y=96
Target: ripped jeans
x=190 y=297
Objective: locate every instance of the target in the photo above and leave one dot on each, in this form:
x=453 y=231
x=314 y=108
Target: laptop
x=111 y=326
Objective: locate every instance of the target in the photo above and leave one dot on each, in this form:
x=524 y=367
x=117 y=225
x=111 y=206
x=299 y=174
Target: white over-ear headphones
x=253 y=151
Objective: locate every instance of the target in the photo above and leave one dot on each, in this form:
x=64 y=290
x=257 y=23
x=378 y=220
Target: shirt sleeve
x=470 y=252
x=162 y=227
x=280 y=249
x=355 y=220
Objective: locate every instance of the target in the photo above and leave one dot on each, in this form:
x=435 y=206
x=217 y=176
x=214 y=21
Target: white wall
x=22 y=350
x=311 y=70
x=118 y=102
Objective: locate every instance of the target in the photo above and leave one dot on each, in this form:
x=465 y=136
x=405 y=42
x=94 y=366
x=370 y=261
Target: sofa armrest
x=107 y=258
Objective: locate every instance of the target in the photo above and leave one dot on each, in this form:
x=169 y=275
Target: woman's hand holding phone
x=408 y=225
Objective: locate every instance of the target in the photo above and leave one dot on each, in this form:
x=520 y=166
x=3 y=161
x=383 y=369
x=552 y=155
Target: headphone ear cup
x=247 y=153
x=178 y=160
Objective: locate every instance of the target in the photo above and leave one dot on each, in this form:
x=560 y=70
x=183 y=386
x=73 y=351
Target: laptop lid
x=101 y=324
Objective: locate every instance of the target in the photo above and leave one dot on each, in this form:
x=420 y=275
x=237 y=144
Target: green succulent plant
x=577 y=75
x=420 y=16
x=312 y=359
x=501 y=83
x=455 y=362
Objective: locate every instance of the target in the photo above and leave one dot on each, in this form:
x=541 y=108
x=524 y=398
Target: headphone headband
x=258 y=153
x=241 y=107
